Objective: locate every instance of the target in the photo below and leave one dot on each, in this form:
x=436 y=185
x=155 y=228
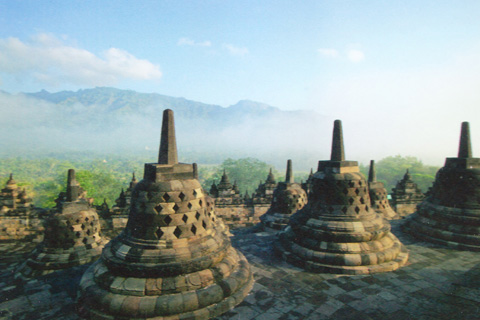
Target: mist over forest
x=111 y=121
x=107 y=121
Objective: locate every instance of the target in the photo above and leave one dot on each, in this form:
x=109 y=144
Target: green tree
x=392 y=169
x=248 y=172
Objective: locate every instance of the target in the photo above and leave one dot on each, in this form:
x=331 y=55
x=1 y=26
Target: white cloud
x=236 y=51
x=355 y=55
x=190 y=42
x=329 y=53
x=50 y=61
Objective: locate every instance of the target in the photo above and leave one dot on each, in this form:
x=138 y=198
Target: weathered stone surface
x=72 y=235
x=174 y=259
x=406 y=196
x=338 y=231
x=378 y=195
x=19 y=219
x=450 y=215
x=288 y=198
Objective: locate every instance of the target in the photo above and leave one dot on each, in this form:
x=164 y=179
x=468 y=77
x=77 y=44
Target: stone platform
x=436 y=283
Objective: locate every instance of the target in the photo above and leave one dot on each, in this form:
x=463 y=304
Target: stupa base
x=102 y=295
x=442 y=237
x=351 y=264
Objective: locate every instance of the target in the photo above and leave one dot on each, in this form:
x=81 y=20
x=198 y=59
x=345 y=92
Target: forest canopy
x=104 y=178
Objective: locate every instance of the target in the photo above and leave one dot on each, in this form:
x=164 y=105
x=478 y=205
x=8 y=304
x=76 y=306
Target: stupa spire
x=465 y=149
x=338 y=151
x=73 y=188
x=372 y=173
x=168 y=143
x=270 y=177
x=289 y=174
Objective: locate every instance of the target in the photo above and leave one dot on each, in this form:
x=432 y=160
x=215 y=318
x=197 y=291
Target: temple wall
x=405 y=209
x=20 y=228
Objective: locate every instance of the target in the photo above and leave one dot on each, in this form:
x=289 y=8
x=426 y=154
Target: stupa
x=173 y=260
x=72 y=235
x=406 y=196
x=19 y=219
x=450 y=215
x=378 y=195
x=288 y=198
x=338 y=231
x=15 y=201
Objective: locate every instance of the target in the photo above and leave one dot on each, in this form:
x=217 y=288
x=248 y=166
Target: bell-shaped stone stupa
x=378 y=195
x=173 y=260
x=288 y=198
x=338 y=231
x=72 y=235
x=406 y=196
x=450 y=215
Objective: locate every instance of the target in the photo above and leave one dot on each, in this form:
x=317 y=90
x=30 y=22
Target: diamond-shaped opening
x=88 y=232
x=200 y=203
x=84 y=240
x=176 y=207
x=185 y=218
x=344 y=209
x=195 y=193
x=345 y=191
x=78 y=234
x=360 y=183
x=71 y=228
x=357 y=210
x=86 y=219
x=166 y=197
x=351 y=184
x=159 y=233
x=194 y=229
x=357 y=191
x=158 y=208
x=367 y=208
x=167 y=220
x=181 y=196
x=197 y=215
x=204 y=225
x=91 y=224
x=350 y=200
x=83 y=226
x=362 y=201
x=209 y=214
x=78 y=220
x=177 y=232
x=189 y=205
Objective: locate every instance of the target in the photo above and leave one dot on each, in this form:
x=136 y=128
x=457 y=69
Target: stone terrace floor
x=436 y=283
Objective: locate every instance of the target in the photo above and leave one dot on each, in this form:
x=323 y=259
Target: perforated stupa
x=72 y=235
x=173 y=260
x=450 y=215
x=288 y=198
x=338 y=231
x=379 y=195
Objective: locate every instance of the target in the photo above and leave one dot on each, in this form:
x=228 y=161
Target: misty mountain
x=114 y=120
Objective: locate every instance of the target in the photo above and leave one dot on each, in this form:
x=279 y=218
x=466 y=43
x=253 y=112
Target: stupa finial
x=73 y=191
x=372 y=173
x=289 y=174
x=338 y=152
x=465 y=149
x=195 y=170
x=134 y=179
x=168 y=143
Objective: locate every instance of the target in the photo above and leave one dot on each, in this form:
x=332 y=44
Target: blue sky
x=381 y=66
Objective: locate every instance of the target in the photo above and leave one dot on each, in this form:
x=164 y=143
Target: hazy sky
x=401 y=75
